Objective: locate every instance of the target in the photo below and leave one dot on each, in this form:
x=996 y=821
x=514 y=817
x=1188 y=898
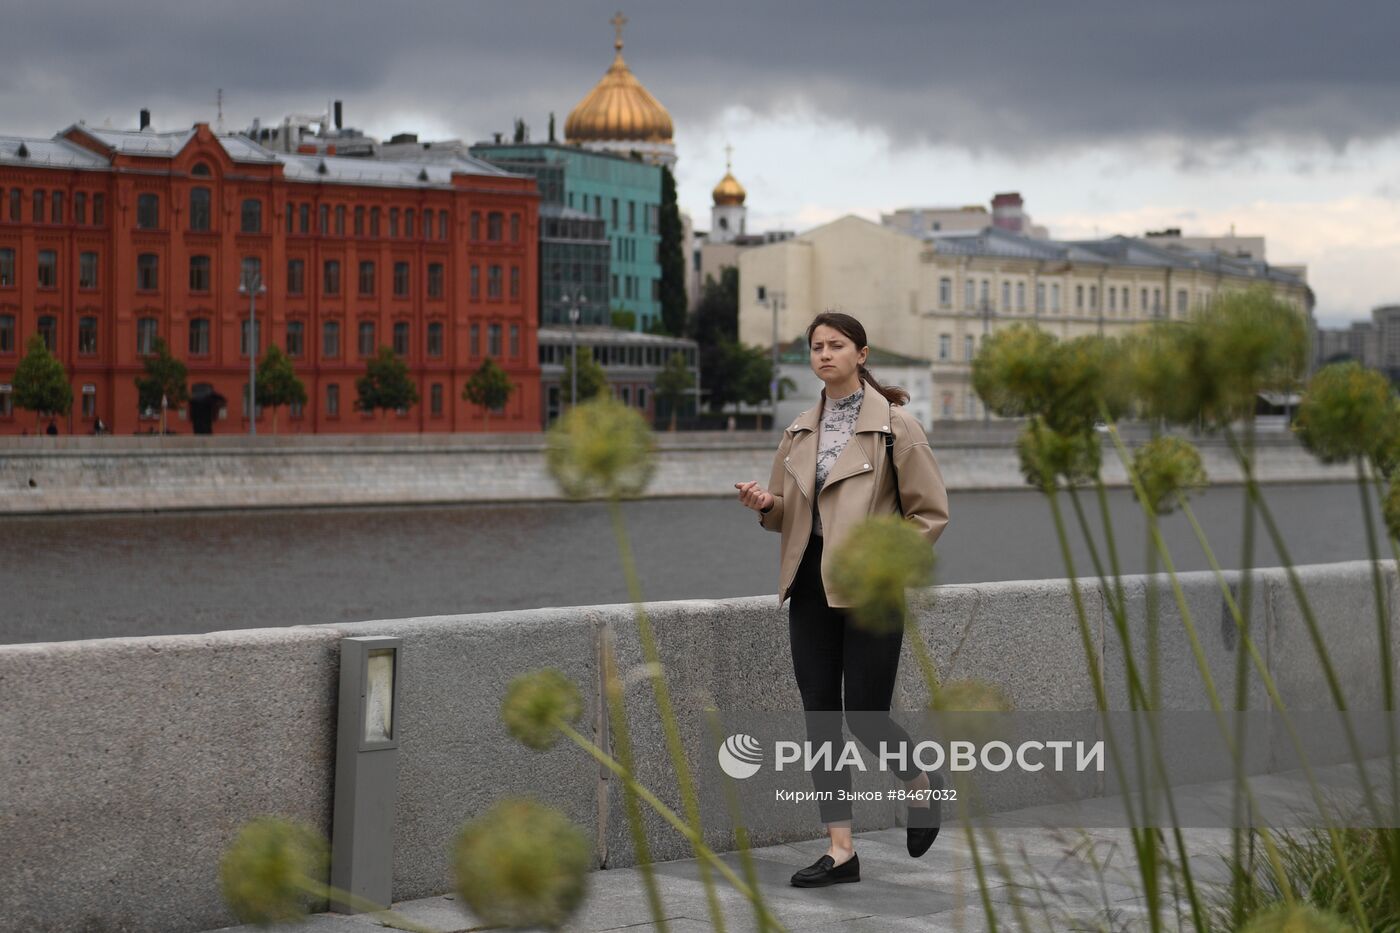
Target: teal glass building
x=621 y=192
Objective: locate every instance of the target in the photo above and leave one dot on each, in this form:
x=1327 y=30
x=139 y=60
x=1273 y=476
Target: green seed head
x=522 y=864
x=264 y=874
x=1348 y=411
x=535 y=702
x=1046 y=454
x=1300 y=918
x=882 y=556
x=601 y=449
x=1167 y=465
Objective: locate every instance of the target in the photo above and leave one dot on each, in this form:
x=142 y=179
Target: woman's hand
x=754 y=496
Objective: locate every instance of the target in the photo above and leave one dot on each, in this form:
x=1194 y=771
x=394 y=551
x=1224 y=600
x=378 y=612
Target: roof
x=601 y=335
x=436 y=173
x=48 y=153
x=797 y=352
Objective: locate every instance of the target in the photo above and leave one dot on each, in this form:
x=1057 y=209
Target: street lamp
x=575 y=302
x=774 y=299
x=252 y=286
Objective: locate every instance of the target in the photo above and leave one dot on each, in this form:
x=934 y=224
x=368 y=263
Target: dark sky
x=1017 y=78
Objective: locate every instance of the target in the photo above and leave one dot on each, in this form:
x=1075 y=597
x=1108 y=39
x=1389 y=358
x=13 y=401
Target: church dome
x=729 y=191
x=618 y=108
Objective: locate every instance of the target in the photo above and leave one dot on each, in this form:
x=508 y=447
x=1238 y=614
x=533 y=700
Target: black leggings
x=827 y=643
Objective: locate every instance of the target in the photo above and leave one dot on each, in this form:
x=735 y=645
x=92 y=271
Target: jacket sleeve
x=921 y=487
x=773 y=518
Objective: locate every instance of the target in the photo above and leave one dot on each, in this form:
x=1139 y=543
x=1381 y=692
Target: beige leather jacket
x=859 y=485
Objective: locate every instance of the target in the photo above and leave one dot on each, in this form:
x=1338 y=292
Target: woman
x=832 y=471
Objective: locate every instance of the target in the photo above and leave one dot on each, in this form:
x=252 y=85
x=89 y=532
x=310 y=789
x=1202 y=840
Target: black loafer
x=825 y=871
x=924 y=822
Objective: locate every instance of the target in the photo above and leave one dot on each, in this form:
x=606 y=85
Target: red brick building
x=110 y=239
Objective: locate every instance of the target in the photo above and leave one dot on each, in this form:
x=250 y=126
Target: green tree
x=164 y=377
x=40 y=384
x=623 y=319
x=278 y=384
x=488 y=387
x=591 y=378
x=715 y=327
x=672 y=257
x=385 y=384
x=673 y=383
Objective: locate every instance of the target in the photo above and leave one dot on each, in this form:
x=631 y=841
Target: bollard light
x=366 y=770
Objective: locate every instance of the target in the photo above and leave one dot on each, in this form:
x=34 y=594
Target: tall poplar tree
x=673 y=302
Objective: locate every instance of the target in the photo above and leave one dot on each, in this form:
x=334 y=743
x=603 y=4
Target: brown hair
x=856 y=334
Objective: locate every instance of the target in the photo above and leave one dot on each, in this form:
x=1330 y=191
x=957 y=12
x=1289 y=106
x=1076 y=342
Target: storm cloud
x=1017 y=79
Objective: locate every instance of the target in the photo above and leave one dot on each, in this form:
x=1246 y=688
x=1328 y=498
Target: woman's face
x=835 y=359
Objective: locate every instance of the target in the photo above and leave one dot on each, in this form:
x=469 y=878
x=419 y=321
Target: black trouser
x=827 y=643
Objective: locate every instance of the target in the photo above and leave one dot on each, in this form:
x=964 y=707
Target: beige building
x=1008 y=212
x=940 y=295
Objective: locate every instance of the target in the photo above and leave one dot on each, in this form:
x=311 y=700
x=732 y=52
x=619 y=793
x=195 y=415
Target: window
x=243 y=345
x=476 y=281
x=1181 y=301
x=16 y=200
x=969 y=294
x=493 y=282
x=945 y=292
x=393 y=221
x=87 y=336
x=515 y=281
x=515 y=341
x=1157 y=302
x=331 y=277
x=515 y=228
x=969 y=348
x=1040 y=296
x=291 y=217
x=1125 y=297
x=199 y=337
x=146 y=331
x=147 y=272
x=945 y=346
x=1094 y=297
x=48 y=329
x=476 y=225
x=401 y=338
x=37 y=214
x=366 y=278
x=99 y=204
x=323 y=219
x=87 y=270
x=401 y=280
x=631 y=215
x=366 y=338
x=200 y=169
x=476 y=340
x=442 y=225
x=252 y=272
x=80 y=208
x=360 y=221
x=435 y=399
x=493 y=225
x=435 y=339
x=1055 y=296
x=986 y=292
x=614 y=213
x=330 y=340
x=199 y=209
x=427 y=225
x=7 y=268
x=408 y=222
x=89 y=401
x=48 y=269
x=296 y=339
x=296 y=410
x=434 y=280
x=340 y=220
x=7 y=404
x=1006 y=296
x=252 y=216
x=199 y=273
x=493 y=340
x=304 y=218
x=147 y=211
x=7 y=333
x=1079 y=297
x=296 y=276
x=56 y=208
x=1112 y=295
x=332 y=401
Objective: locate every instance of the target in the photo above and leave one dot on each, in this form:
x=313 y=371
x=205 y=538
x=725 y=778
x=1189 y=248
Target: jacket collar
x=874 y=414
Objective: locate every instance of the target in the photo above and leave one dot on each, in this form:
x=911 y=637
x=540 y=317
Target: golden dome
x=729 y=191
x=618 y=107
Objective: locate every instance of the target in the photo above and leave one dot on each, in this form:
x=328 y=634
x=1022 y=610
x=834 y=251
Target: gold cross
x=728 y=156
x=618 y=22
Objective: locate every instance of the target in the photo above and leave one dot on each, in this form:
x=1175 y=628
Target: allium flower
x=1347 y=411
x=1385 y=452
x=1167 y=465
x=1013 y=371
x=1165 y=363
x=601 y=449
x=532 y=703
x=880 y=558
x=522 y=864
x=265 y=872
x=1046 y=454
x=1253 y=341
x=1300 y=918
x=1086 y=371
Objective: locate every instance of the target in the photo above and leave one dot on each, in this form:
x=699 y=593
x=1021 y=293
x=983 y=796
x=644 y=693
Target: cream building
x=940 y=295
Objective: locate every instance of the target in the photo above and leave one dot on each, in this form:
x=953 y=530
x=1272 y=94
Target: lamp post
x=774 y=299
x=252 y=286
x=575 y=303
x=986 y=326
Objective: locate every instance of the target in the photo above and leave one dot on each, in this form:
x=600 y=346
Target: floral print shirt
x=837 y=424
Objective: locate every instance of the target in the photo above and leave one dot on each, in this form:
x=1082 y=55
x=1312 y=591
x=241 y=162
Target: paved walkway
x=1064 y=880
